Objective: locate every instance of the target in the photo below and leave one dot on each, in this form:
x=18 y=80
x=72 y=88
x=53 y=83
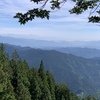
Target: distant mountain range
x=32 y=43
x=79 y=73
x=48 y=44
x=81 y=49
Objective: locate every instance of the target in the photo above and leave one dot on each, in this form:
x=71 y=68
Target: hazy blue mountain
x=78 y=73
x=82 y=52
x=48 y=44
x=32 y=42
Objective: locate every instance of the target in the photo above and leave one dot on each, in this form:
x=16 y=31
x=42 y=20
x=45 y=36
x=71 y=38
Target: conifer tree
x=20 y=79
x=35 y=85
x=4 y=62
x=42 y=73
x=6 y=89
x=90 y=97
x=62 y=92
x=44 y=86
x=51 y=83
x=73 y=96
x=15 y=56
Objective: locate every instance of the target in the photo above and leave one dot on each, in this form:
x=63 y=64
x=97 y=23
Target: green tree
x=51 y=83
x=20 y=79
x=42 y=73
x=73 y=96
x=15 y=56
x=62 y=92
x=44 y=84
x=79 y=7
x=35 y=84
x=6 y=88
x=4 y=62
x=90 y=97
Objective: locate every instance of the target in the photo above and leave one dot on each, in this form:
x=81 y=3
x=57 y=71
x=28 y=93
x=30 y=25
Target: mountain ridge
x=44 y=44
x=81 y=52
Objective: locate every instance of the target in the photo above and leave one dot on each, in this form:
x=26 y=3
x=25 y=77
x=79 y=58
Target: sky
x=62 y=26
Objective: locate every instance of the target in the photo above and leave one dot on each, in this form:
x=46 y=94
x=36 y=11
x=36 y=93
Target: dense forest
x=20 y=82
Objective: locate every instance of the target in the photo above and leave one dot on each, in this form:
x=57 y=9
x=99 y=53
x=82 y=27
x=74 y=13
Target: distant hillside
x=44 y=44
x=79 y=73
x=32 y=42
x=82 y=52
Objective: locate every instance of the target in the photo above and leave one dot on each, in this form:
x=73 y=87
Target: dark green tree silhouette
x=51 y=83
x=15 y=56
x=44 y=84
x=6 y=88
x=90 y=97
x=73 y=96
x=62 y=92
x=35 y=83
x=20 y=79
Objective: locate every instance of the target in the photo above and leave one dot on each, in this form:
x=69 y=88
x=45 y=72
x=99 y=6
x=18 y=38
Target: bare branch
x=93 y=11
x=44 y=4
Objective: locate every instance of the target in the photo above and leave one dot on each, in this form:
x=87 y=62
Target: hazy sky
x=61 y=26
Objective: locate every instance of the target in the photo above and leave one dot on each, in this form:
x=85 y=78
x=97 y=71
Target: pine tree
x=20 y=79
x=42 y=73
x=62 y=92
x=90 y=97
x=15 y=56
x=44 y=85
x=4 y=62
x=73 y=96
x=51 y=83
x=6 y=89
x=35 y=83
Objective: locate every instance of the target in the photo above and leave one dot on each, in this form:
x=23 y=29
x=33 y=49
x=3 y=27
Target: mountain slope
x=79 y=73
x=82 y=52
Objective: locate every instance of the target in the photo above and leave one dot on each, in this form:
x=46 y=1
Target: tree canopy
x=79 y=7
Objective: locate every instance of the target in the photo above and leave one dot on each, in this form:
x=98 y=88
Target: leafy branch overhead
x=80 y=6
x=31 y=14
x=92 y=5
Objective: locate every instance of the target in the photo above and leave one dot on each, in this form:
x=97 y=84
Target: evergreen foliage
x=19 y=82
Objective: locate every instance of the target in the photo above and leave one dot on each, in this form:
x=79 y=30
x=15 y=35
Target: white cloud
x=14 y=6
x=40 y=33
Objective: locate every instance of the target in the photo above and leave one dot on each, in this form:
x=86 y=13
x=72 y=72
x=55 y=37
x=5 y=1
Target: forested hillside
x=19 y=82
x=80 y=74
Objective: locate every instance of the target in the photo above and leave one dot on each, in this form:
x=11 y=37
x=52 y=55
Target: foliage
x=39 y=12
x=83 y=5
x=90 y=97
x=80 y=7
